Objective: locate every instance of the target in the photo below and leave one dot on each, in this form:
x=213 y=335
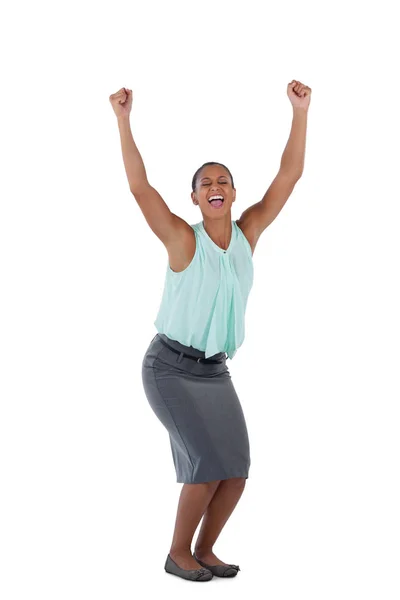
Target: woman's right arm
x=168 y=227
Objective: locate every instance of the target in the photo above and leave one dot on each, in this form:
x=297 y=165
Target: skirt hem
x=244 y=476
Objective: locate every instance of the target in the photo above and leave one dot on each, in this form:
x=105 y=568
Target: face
x=214 y=180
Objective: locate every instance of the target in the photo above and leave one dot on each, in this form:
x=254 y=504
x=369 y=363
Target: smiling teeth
x=215 y=198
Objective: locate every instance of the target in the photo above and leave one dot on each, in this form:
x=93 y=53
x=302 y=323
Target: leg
x=193 y=501
x=218 y=512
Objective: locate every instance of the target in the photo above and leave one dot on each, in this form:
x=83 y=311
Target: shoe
x=219 y=570
x=193 y=574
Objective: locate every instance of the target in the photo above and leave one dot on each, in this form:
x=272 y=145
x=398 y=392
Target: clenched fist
x=121 y=102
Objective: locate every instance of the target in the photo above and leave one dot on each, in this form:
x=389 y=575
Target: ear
x=194 y=198
x=234 y=195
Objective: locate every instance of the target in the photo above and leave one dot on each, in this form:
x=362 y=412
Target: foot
x=209 y=557
x=184 y=559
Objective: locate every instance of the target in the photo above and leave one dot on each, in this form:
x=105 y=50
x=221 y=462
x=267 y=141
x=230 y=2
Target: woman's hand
x=299 y=94
x=121 y=102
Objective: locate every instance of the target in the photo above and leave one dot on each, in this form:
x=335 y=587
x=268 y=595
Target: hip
x=165 y=354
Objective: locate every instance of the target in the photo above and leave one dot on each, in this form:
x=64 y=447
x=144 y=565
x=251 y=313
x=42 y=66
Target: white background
x=89 y=497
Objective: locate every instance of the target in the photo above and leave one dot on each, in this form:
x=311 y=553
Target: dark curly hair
x=196 y=175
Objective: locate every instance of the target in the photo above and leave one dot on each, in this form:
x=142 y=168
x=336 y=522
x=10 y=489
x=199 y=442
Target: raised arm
x=167 y=226
x=255 y=219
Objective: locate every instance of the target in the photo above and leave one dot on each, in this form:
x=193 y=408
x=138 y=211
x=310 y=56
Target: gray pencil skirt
x=197 y=404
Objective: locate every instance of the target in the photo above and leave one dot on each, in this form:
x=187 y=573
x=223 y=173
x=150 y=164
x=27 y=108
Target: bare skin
x=218 y=512
x=216 y=501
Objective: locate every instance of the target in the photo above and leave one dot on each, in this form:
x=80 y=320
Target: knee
x=235 y=482
x=213 y=485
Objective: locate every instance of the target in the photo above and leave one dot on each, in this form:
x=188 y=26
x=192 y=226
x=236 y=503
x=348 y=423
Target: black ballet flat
x=219 y=570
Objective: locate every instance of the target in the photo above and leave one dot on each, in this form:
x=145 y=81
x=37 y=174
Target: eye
x=221 y=182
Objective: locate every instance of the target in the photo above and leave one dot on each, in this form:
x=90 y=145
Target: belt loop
x=178 y=360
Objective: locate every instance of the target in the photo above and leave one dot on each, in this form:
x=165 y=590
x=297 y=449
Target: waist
x=189 y=350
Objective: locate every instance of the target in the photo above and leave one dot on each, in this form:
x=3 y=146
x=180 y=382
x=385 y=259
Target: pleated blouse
x=204 y=305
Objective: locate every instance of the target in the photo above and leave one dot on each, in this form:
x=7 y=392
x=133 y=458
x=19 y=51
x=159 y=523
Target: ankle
x=180 y=550
x=199 y=550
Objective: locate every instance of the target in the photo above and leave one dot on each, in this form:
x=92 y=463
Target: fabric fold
x=204 y=305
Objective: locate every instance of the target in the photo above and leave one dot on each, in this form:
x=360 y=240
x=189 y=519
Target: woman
x=199 y=325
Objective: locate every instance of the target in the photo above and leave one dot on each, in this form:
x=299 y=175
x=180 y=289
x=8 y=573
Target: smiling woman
x=213 y=187
x=200 y=324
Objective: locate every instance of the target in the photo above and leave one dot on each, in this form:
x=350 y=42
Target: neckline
x=222 y=250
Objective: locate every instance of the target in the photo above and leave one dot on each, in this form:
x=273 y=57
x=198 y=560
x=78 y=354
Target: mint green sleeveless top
x=204 y=305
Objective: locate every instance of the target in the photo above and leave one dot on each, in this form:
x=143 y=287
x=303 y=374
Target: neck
x=219 y=230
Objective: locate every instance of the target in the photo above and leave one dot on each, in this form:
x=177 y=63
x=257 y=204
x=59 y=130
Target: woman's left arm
x=258 y=216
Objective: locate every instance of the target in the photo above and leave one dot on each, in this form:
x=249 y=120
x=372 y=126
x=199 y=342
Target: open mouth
x=216 y=201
